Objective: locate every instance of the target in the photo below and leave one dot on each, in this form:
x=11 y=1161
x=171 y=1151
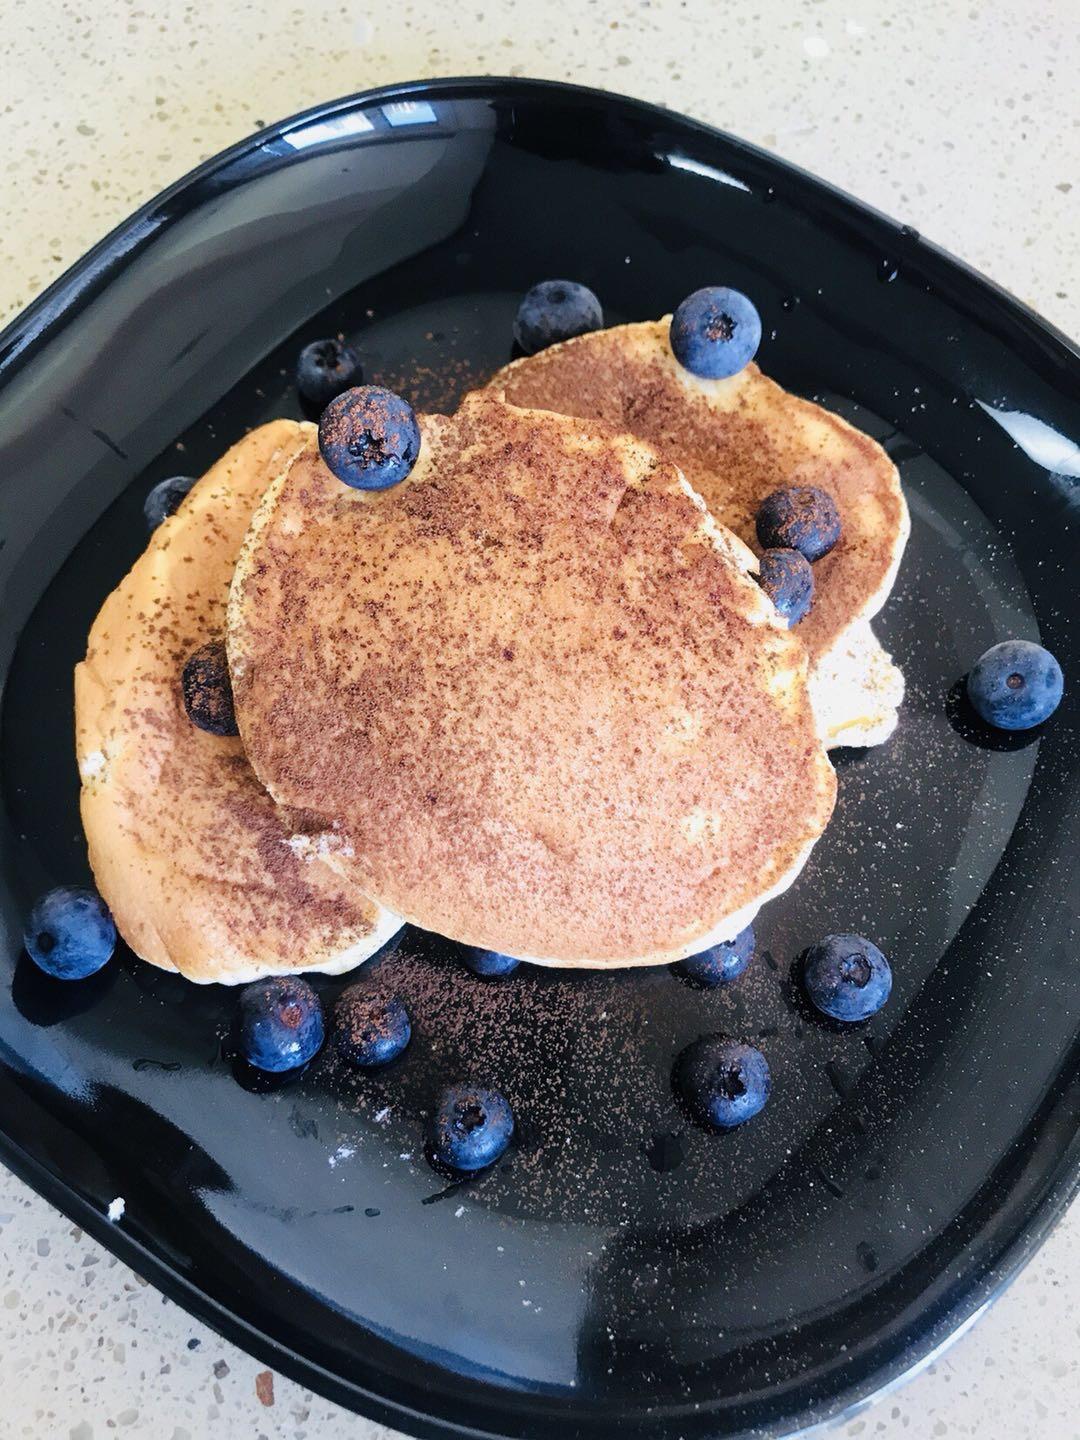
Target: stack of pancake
x=531 y=698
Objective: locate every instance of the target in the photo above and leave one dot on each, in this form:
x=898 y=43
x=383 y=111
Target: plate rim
x=70 y=286
x=65 y=297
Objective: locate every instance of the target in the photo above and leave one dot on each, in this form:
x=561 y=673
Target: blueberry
x=721 y=963
x=370 y=1029
x=207 y=690
x=70 y=933
x=369 y=438
x=1015 y=685
x=164 y=499
x=280 y=1023
x=326 y=369
x=723 y=1082
x=488 y=962
x=846 y=977
x=715 y=332
x=799 y=517
x=787 y=579
x=470 y=1129
x=555 y=310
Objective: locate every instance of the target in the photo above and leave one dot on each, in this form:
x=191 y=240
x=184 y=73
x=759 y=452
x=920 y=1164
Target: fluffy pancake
x=536 y=687
x=736 y=440
x=856 y=690
x=187 y=848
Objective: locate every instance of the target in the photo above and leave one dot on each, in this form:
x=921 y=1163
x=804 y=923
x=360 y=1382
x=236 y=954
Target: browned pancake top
x=736 y=441
x=535 y=687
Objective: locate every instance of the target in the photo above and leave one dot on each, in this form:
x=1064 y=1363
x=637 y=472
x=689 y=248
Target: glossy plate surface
x=620 y=1270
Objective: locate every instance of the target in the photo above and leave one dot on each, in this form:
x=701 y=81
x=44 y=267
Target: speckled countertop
x=957 y=116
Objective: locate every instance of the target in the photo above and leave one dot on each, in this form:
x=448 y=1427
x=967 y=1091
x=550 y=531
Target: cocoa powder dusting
x=734 y=458
x=553 y=1043
x=373 y=632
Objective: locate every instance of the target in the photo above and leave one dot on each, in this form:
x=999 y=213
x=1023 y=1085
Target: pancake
x=535 y=686
x=856 y=690
x=199 y=870
x=736 y=440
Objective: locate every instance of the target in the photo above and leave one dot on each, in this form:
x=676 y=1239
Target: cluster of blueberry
x=281 y=1026
x=725 y=1082
x=795 y=526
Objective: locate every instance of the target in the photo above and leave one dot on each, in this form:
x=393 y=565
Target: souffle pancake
x=535 y=686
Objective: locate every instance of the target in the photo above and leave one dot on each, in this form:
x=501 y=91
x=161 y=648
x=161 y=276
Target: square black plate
x=621 y=1270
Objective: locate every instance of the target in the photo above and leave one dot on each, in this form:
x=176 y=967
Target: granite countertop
x=952 y=115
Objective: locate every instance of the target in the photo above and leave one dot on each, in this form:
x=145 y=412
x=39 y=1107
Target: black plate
x=621 y=1270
